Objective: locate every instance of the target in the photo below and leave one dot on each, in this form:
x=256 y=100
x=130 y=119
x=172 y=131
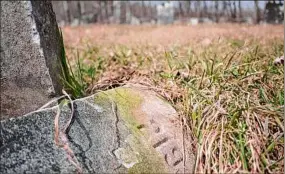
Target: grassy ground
x=221 y=78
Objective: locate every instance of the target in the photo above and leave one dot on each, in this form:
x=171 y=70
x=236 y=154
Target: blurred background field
x=168 y=12
x=167 y=35
x=219 y=76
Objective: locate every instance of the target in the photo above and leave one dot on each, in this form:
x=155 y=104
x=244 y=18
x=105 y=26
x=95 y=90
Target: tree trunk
x=100 y=15
x=217 y=11
x=197 y=9
x=150 y=10
x=67 y=11
x=230 y=9
x=123 y=12
x=257 y=10
x=224 y=11
x=79 y=12
x=234 y=14
x=181 y=14
x=106 y=10
x=112 y=8
x=205 y=9
x=240 y=10
x=143 y=10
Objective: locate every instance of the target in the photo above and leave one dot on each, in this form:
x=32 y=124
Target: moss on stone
x=101 y=99
x=128 y=103
x=150 y=161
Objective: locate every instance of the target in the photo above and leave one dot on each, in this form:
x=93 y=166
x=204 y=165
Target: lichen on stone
x=150 y=161
x=128 y=102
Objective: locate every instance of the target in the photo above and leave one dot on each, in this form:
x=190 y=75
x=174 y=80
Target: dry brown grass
x=166 y=35
x=221 y=78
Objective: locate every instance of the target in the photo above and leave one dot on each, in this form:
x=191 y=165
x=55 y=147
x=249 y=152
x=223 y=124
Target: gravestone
x=128 y=129
x=165 y=13
x=30 y=52
x=122 y=12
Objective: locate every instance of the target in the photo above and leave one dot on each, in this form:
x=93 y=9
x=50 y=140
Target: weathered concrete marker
x=123 y=130
x=30 y=50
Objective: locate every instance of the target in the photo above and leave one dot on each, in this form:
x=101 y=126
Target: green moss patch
x=128 y=103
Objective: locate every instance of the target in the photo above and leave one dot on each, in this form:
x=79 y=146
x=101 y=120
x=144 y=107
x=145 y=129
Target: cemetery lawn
x=220 y=78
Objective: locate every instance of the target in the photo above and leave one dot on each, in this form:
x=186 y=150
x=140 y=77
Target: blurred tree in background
x=166 y=12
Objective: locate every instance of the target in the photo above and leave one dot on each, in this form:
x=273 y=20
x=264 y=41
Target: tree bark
x=106 y=8
x=217 y=11
x=205 y=9
x=181 y=13
x=230 y=8
x=79 y=12
x=197 y=9
x=100 y=15
x=224 y=12
x=143 y=10
x=150 y=10
x=112 y=8
x=240 y=10
x=67 y=11
x=257 y=10
x=234 y=14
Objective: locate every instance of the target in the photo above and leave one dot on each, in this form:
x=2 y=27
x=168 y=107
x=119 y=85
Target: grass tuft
x=71 y=83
